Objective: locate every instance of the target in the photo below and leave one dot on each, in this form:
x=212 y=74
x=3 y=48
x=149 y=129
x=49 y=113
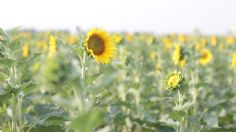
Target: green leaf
x=1 y=32
x=211 y=120
x=217 y=130
x=27 y=87
x=54 y=128
x=7 y=62
x=177 y=115
x=45 y=111
x=16 y=44
x=2 y=76
x=187 y=105
x=158 y=125
x=87 y=121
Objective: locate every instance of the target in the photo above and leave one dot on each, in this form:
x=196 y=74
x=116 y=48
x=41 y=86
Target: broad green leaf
x=87 y=121
x=177 y=115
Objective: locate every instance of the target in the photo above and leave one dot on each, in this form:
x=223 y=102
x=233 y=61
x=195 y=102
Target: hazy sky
x=160 y=16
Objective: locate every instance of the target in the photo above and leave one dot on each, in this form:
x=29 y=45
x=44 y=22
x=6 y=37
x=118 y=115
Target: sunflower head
x=182 y=63
x=129 y=37
x=182 y=38
x=72 y=39
x=117 y=38
x=200 y=45
x=52 y=46
x=206 y=57
x=151 y=39
x=42 y=45
x=230 y=40
x=167 y=42
x=153 y=55
x=213 y=40
x=177 y=54
x=234 y=60
x=25 y=50
x=158 y=68
x=99 y=44
x=174 y=81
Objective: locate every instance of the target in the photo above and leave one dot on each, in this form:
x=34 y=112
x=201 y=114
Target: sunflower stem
x=14 y=113
x=180 y=107
x=80 y=95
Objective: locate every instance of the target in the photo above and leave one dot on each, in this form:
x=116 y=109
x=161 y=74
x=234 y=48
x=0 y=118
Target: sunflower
x=200 y=45
x=174 y=81
x=72 y=39
x=117 y=38
x=52 y=46
x=206 y=57
x=230 y=40
x=99 y=44
x=178 y=56
x=129 y=37
x=182 y=38
x=234 y=60
x=182 y=63
x=213 y=40
x=25 y=50
x=153 y=55
x=167 y=42
x=42 y=45
x=158 y=68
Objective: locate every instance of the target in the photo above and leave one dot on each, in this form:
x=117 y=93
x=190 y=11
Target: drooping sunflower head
x=174 y=81
x=99 y=44
x=206 y=57
x=176 y=54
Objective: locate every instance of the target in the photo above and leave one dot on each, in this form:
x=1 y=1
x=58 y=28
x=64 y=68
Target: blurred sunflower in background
x=72 y=39
x=25 y=50
x=117 y=38
x=201 y=44
x=52 y=46
x=178 y=56
x=213 y=40
x=205 y=57
x=167 y=42
x=153 y=55
x=42 y=45
x=234 y=60
x=182 y=38
x=230 y=40
x=129 y=37
x=99 y=44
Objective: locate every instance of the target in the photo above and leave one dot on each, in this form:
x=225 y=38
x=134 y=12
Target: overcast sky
x=160 y=16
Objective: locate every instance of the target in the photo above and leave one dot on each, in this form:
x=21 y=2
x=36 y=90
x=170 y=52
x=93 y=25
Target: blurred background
x=158 y=16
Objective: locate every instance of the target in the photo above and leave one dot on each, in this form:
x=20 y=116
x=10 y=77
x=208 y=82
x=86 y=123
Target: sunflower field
x=99 y=81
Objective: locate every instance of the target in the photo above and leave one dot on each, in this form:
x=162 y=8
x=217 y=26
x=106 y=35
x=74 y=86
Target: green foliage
x=71 y=92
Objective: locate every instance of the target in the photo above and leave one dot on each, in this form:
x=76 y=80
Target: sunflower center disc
x=205 y=56
x=96 y=44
